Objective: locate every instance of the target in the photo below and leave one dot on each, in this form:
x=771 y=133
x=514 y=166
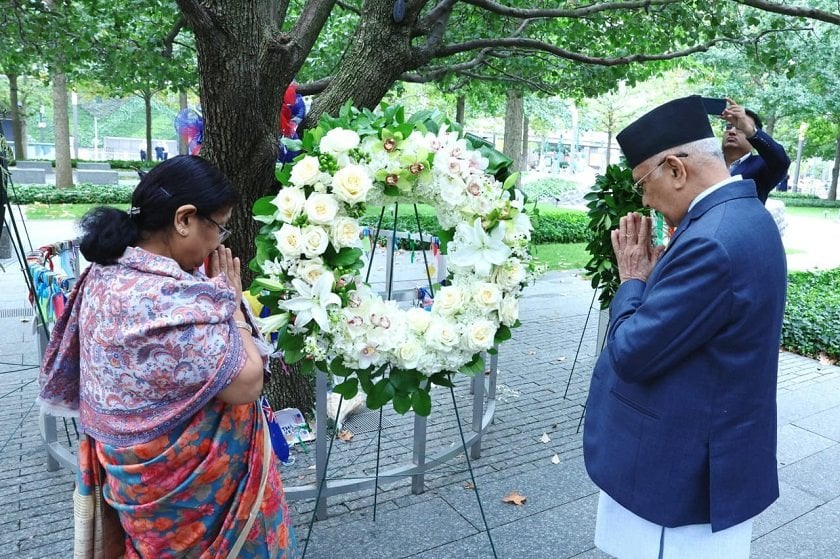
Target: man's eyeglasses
x=639 y=185
x=224 y=232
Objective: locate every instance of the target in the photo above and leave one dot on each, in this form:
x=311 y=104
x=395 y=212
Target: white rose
x=351 y=184
x=449 y=300
x=509 y=310
x=305 y=172
x=339 y=140
x=345 y=232
x=510 y=274
x=487 y=295
x=418 y=319
x=442 y=334
x=314 y=240
x=289 y=241
x=310 y=270
x=519 y=228
x=452 y=190
x=321 y=208
x=289 y=202
x=479 y=335
x=409 y=353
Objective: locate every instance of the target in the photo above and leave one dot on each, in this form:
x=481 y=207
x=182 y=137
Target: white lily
x=272 y=323
x=475 y=248
x=312 y=301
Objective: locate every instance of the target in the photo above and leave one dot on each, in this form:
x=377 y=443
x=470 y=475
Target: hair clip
x=132 y=211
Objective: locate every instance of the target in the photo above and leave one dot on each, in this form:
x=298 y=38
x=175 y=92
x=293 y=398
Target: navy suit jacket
x=768 y=168
x=681 y=417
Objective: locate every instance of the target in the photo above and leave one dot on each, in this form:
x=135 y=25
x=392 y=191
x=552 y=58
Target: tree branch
x=349 y=7
x=306 y=30
x=315 y=87
x=513 y=42
x=583 y=11
x=197 y=15
x=810 y=13
x=510 y=78
x=170 y=37
x=438 y=72
x=444 y=8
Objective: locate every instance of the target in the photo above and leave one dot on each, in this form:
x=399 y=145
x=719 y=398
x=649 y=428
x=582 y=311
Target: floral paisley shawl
x=184 y=469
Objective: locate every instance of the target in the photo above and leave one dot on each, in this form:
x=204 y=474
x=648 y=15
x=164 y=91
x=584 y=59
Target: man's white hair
x=705 y=149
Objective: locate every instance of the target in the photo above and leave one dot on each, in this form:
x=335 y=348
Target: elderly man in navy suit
x=743 y=133
x=680 y=432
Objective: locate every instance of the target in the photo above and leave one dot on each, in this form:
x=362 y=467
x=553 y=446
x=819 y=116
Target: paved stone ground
x=557 y=520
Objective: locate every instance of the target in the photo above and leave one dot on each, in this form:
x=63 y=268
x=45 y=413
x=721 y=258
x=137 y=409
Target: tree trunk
x=460 y=109
x=240 y=101
x=63 y=166
x=514 y=127
x=832 y=190
x=147 y=105
x=609 y=145
x=770 y=125
x=17 y=122
x=182 y=104
x=381 y=51
x=526 y=154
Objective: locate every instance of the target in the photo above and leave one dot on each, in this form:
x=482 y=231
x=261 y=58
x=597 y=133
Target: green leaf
x=474 y=367
x=421 y=401
x=346 y=257
x=402 y=402
x=338 y=368
x=307 y=366
x=442 y=379
x=348 y=388
x=381 y=394
x=502 y=334
x=270 y=284
x=445 y=235
x=263 y=206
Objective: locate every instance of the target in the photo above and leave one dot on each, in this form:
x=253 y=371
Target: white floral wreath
x=309 y=261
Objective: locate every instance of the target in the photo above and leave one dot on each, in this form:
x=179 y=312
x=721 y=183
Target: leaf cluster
x=611 y=198
x=811 y=324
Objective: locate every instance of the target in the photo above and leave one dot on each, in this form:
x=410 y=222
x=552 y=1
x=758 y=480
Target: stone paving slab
x=811 y=536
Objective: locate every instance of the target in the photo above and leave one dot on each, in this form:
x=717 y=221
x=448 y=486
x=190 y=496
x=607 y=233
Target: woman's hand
x=222 y=261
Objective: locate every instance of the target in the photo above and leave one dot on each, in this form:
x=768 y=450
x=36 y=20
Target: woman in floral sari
x=164 y=369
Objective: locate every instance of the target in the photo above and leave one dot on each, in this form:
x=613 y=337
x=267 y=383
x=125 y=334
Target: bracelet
x=245 y=326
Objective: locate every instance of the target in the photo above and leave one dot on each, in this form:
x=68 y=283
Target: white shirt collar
x=711 y=189
x=739 y=160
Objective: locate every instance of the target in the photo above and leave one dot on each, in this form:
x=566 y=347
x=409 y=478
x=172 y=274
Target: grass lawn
x=816 y=213
x=61 y=211
x=562 y=256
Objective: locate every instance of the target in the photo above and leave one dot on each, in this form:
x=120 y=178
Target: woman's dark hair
x=185 y=179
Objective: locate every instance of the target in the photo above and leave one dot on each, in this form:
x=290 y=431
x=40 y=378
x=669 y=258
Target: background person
x=743 y=133
x=680 y=432
x=161 y=365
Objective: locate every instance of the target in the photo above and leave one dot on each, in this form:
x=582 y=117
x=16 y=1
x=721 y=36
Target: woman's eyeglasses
x=224 y=232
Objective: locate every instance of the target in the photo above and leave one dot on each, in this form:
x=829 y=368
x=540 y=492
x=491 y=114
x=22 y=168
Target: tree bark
x=835 y=172
x=526 y=157
x=461 y=109
x=63 y=166
x=241 y=85
x=17 y=121
x=380 y=52
x=182 y=104
x=514 y=127
x=146 y=95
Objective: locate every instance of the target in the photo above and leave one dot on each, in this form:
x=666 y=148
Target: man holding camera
x=743 y=133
